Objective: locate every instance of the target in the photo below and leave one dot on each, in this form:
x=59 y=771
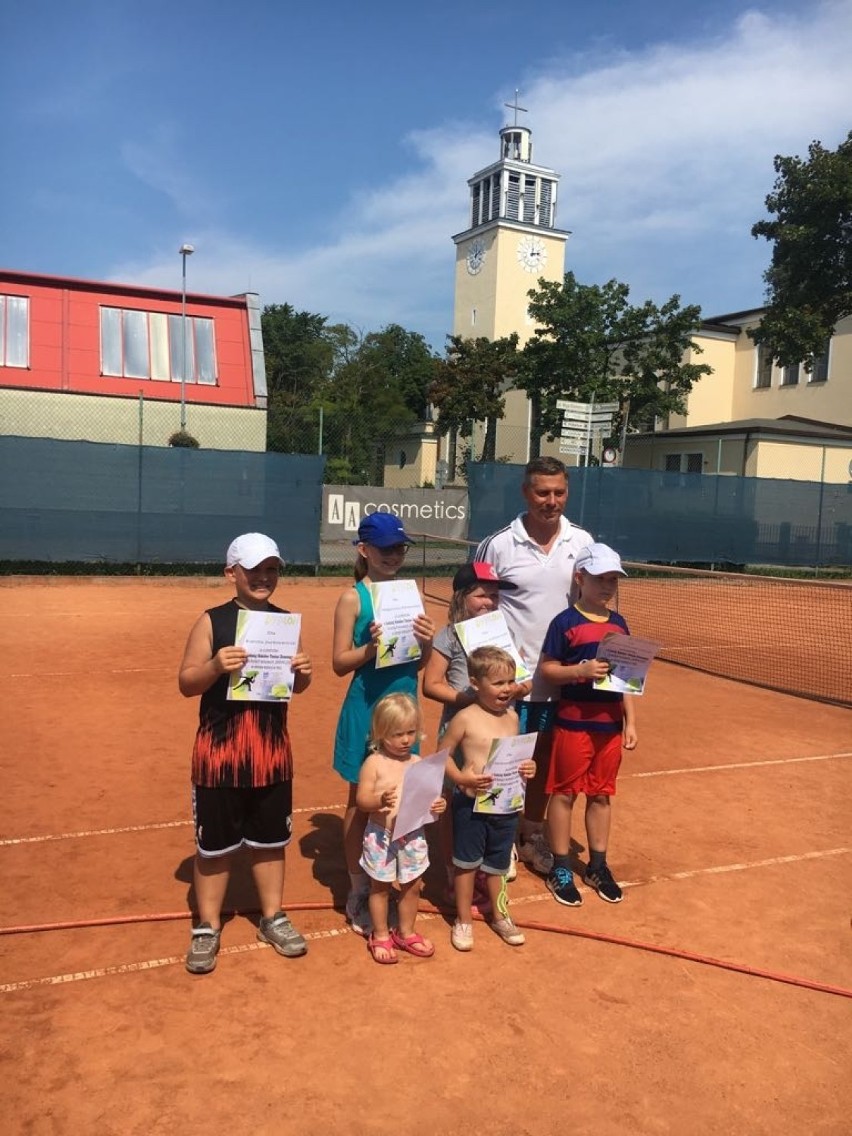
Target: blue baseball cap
x=382 y=530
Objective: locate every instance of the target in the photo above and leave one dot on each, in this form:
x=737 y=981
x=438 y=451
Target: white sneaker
x=535 y=854
x=358 y=913
x=512 y=873
x=508 y=932
x=461 y=936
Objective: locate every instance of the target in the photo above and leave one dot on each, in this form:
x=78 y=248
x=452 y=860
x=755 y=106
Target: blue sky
x=318 y=153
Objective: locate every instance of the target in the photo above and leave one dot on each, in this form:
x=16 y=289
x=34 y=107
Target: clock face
x=475 y=256
x=532 y=254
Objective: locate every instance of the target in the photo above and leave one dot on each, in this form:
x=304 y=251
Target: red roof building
x=101 y=362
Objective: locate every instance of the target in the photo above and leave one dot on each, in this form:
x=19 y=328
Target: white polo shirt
x=542 y=586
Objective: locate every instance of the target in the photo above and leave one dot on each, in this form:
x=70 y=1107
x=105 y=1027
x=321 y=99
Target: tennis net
x=790 y=635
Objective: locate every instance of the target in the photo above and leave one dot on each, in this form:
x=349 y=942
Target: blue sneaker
x=560 y=883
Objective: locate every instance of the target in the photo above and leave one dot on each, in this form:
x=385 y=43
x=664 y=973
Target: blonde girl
x=381 y=546
x=394 y=733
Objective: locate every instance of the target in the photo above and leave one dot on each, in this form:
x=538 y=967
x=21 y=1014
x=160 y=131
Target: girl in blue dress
x=382 y=544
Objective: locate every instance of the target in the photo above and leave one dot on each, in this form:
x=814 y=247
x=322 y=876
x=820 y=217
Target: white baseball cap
x=251 y=549
x=598 y=559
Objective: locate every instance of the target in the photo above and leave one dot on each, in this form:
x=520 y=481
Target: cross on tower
x=514 y=106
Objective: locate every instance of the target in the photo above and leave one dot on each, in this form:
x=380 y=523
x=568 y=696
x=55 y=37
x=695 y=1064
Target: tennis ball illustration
x=280 y=690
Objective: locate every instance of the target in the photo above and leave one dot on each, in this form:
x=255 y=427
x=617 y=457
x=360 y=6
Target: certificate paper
x=271 y=639
x=396 y=604
x=629 y=659
x=421 y=785
x=508 y=788
x=490 y=630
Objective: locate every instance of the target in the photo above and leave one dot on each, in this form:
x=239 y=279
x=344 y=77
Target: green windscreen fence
x=88 y=501
x=686 y=517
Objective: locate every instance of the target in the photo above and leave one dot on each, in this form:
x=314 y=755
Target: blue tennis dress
x=368 y=685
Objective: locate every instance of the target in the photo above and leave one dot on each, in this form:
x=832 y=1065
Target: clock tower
x=511 y=243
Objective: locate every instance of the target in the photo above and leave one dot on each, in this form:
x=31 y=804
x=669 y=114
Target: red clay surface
x=731 y=828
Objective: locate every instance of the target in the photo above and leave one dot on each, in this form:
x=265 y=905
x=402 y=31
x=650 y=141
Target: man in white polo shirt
x=536 y=554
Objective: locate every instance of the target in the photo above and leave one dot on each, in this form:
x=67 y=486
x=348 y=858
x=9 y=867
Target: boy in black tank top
x=242 y=764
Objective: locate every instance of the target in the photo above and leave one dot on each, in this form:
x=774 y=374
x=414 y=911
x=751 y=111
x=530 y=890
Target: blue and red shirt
x=571 y=639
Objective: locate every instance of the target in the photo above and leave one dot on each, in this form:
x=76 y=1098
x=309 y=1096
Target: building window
x=819 y=371
x=14 y=331
x=545 y=205
x=683 y=463
x=149 y=345
x=790 y=375
x=763 y=378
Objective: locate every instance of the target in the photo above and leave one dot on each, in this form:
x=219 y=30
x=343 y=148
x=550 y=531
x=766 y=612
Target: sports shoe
x=508 y=932
x=603 y=883
x=461 y=936
x=535 y=854
x=203 y=948
x=560 y=883
x=279 y=932
x=512 y=873
x=358 y=913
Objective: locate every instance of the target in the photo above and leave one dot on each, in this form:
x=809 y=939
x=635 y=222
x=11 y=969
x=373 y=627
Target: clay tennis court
x=731 y=835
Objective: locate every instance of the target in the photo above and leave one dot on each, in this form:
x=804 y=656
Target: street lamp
x=185 y=251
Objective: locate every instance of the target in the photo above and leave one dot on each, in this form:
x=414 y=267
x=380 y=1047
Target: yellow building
x=755 y=419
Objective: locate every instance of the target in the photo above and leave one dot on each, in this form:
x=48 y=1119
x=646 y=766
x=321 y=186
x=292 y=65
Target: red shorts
x=583 y=761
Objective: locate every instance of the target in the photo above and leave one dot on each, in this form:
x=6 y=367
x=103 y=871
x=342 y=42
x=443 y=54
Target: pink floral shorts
x=385 y=860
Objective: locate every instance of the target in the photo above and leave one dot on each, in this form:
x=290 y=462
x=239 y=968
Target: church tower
x=511 y=243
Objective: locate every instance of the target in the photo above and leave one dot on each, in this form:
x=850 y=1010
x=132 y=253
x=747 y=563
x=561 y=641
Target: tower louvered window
x=513 y=197
x=529 y=200
x=474 y=205
x=495 y=195
x=545 y=207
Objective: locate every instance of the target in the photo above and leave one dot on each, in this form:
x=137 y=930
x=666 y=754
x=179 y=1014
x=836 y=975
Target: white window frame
x=149 y=345
x=15 y=349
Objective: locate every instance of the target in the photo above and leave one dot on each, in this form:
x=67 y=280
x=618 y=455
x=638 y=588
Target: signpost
x=583 y=424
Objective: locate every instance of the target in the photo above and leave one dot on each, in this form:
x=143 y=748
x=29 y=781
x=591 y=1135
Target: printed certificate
x=271 y=639
x=421 y=785
x=491 y=630
x=396 y=604
x=508 y=788
x=629 y=659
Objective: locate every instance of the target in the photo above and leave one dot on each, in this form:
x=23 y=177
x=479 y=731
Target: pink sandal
x=413 y=944
x=386 y=945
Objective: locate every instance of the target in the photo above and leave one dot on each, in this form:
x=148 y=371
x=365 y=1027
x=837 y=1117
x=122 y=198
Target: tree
x=299 y=352
x=469 y=386
x=379 y=387
x=592 y=342
x=809 y=282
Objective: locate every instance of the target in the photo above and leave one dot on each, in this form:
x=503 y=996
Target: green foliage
x=809 y=282
x=592 y=342
x=367 y=387
x=182 y=439
x=469 y=385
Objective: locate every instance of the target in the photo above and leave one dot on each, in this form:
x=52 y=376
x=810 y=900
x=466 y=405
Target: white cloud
x=665 y=155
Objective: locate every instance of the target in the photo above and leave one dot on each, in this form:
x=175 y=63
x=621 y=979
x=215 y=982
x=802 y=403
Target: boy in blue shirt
x=591 y=725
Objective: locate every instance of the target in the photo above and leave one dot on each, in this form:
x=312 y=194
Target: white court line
x=131 y=828
x=337 y=808
x=335 y=932
x=736 y=765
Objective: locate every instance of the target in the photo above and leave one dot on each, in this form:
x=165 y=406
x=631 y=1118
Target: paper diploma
x=396 y=604
x=271 y=639
x=508 y=788
x=629 y=659
x=491 y=630
x=421 y=785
